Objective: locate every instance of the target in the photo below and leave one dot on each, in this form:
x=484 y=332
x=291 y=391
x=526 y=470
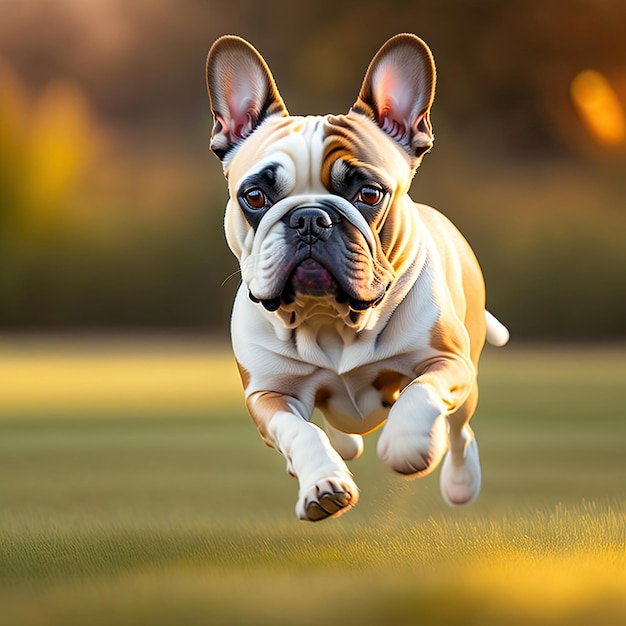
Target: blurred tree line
x=111 y=205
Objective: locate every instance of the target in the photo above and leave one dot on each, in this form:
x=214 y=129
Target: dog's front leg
x=326 y=485
x=432 y=413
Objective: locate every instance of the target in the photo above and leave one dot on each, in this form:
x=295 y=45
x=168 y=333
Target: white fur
x=460 y=479
x=414 y=439
x=325 y=481
x=497 y=333
x=349 y=446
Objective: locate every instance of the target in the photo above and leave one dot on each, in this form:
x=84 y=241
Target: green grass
x=164 y=515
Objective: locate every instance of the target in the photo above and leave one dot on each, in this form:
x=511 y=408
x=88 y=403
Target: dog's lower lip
x=363 y=305
x=273 y=304
x=360 y=305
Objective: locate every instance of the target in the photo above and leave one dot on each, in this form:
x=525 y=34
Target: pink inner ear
x=242 y=112
x=394 y=99
x=245 y=96
x=400 y=97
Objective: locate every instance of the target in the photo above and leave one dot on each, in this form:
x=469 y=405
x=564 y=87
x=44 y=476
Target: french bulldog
x=354 y=299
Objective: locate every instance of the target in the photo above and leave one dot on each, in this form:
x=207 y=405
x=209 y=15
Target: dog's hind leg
x=349 y=446
x=460 y=474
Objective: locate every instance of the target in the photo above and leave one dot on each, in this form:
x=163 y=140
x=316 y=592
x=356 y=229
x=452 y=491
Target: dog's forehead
x=358 y=141
x=308 y=147
x=293 y=142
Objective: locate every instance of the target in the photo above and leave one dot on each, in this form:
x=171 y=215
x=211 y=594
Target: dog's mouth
x=311 y=278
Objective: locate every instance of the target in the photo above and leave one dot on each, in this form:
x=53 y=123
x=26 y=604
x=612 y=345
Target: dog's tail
x=497 y=333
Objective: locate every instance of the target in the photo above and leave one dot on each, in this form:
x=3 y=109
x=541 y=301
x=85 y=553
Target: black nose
x=311 y=223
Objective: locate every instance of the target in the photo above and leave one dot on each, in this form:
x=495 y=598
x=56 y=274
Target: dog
x=354 y=300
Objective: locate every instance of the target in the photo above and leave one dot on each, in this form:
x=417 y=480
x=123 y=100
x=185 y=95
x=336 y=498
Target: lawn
x=135 y=490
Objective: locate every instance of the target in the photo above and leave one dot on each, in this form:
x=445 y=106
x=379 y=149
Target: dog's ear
x=398 y=91
x=242 y=92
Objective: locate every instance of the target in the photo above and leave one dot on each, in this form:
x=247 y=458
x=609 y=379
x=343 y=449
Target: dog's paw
x=407 y=447
x=460 y=483
x=329 y=497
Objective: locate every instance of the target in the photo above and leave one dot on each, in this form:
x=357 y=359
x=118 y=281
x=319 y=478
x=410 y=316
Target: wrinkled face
x=311 y=199
x=318 y=208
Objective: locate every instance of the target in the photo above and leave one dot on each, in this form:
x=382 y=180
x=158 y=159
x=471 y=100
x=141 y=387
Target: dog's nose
x=311 y=223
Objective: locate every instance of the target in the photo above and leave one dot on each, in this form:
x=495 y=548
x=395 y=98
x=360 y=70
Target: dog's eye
x=255 y=198
x=370 y=195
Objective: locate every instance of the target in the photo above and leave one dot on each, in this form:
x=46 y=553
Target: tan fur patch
x=263 y=406
x=390 y=384
x=245 y=375
x=322 y=395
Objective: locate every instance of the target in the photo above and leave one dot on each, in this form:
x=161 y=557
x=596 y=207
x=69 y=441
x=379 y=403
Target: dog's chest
x=356 y=378
x=359 y=401
x=355 y=386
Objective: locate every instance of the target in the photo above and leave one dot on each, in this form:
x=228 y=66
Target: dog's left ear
x=398 y=91
x=242 y=92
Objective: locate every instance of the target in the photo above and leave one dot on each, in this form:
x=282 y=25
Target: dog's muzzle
x=320 y=236
x=310 y=225
x=313 y=225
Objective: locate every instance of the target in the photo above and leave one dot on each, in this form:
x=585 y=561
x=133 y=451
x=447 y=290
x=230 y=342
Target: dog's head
x=318 y=208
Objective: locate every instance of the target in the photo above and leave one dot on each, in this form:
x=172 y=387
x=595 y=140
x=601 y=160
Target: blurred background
x=111 y=205
x=134 y=486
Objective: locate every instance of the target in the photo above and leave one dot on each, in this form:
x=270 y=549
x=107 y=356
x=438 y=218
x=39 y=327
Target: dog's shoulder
x=448 y=239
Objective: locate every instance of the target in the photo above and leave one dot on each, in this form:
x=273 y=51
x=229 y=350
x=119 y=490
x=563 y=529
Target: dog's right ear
x=242 y=92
